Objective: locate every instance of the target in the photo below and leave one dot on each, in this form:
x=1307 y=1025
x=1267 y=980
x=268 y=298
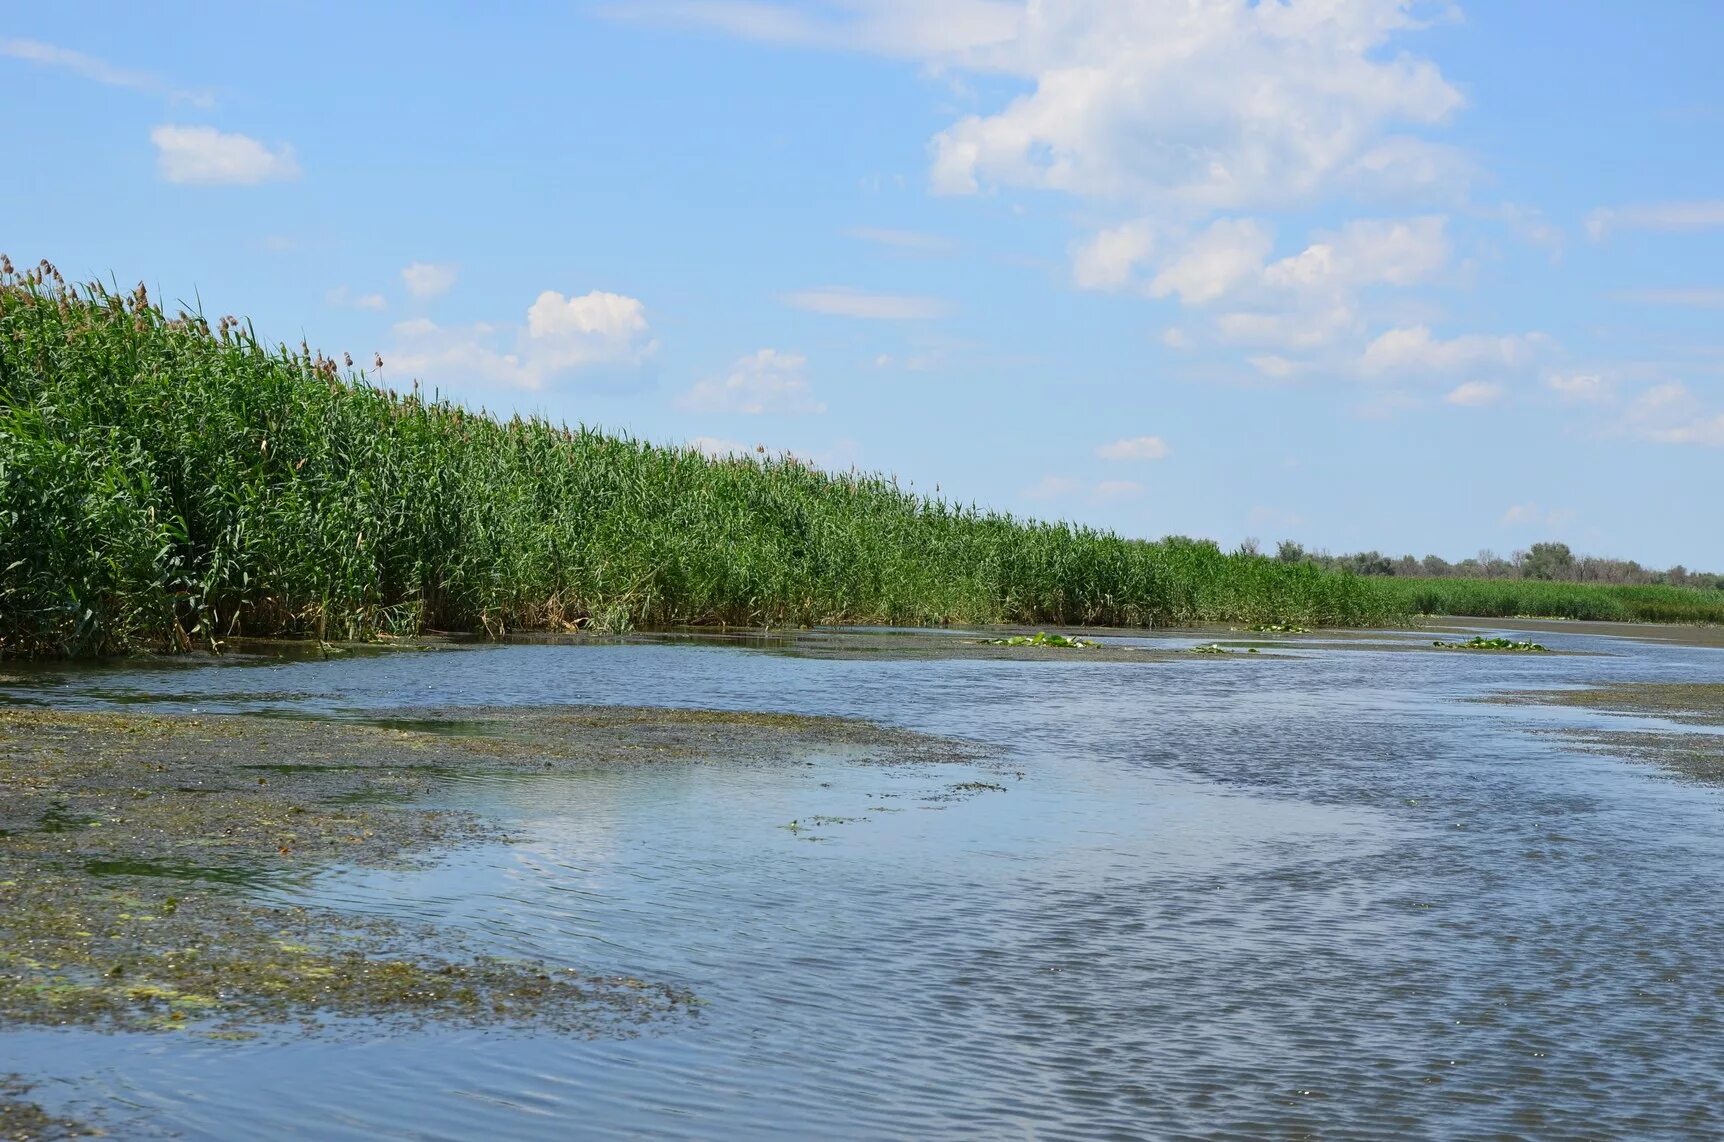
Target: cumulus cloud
x=1220 y=258
x=1198 y=107
x=204 y=156
x=1670 y=217
x=1143 y=99
x=1134 y=448
x=1108 y=259
x=766 y=381
x=1303 y=301
x=562 y=335
x=840 y=302
x=427 y=279
x=1474 y=394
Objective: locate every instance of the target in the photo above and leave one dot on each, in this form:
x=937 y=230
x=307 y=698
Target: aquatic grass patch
x=1480 y=642
x=1041 y=638
x=166 y=483
x=130 y=845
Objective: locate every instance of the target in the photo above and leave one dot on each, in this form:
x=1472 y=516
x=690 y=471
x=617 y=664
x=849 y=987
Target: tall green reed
x=168 y=484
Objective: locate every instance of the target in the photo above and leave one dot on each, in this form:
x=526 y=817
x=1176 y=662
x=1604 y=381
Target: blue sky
x=1361 y=273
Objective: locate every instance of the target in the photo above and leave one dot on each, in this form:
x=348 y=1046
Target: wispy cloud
x=841 y=302
x=1698 y=298
x=428 y=279
x=766 y=381
x=101 y=71
x=1474 y=394
x=1706 y=214
x=1134 y=448
x=204 y=156
x=907 y=241
x=343 y=298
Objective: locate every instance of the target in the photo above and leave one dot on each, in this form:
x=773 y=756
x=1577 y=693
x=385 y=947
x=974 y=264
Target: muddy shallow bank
x=128 y=843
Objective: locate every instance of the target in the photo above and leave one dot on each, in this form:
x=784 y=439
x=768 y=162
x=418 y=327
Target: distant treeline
x=1550 y=562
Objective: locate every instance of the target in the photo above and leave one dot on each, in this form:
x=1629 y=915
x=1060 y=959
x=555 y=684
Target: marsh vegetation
x=167 y=482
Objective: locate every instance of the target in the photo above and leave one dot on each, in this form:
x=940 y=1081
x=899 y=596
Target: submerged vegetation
x=128 y=844
x=168 y=484
x=1480 y=642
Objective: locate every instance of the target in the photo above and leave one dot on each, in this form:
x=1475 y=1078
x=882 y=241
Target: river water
x=1323 y=893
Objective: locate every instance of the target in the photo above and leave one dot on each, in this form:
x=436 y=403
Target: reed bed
x=165 y=484
x=1534 y=598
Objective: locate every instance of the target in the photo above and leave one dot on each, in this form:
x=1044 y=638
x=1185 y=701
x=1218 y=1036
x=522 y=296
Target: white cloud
x=1229 y=252
x=1107 y=260
x=1474 y=394
x=1206 y=107
x=594 y=328
x=1668 y=413
x=1670 y=217
x=1412 y=349
x=1052 y=488
x=1175 y=338
x=767 y=381
x=100 y=71
x=840 y=302
x=562 y=335
x=343 y=298
x=428 y=279
x=1532 y=515
x=204 y=156
x=1274 y=365
x=1134 y=448
x=1579 y=388
x=902 y=28
x=1306 y=300
x=719 y=448
x=1397 y=252
x=1296 y=327
x=909 y=241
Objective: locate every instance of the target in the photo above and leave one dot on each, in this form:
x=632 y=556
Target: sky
x=1380 y=274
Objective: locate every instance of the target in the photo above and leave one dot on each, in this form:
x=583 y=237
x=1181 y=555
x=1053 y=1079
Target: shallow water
x=1320 y=894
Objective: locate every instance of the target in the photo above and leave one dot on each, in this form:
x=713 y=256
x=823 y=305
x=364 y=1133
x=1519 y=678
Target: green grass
x=165 y=484
x=1500 y=598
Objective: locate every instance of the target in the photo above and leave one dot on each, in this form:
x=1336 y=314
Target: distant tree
x=1548 y=561
x=1436 y=567
x=1289 y=552
x=1248 y=546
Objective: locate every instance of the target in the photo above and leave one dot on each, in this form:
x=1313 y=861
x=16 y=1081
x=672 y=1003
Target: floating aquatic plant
x=1041 y=638
x=1479 y=642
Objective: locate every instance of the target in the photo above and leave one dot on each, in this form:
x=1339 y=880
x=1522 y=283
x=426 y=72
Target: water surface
x=1319 y=894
